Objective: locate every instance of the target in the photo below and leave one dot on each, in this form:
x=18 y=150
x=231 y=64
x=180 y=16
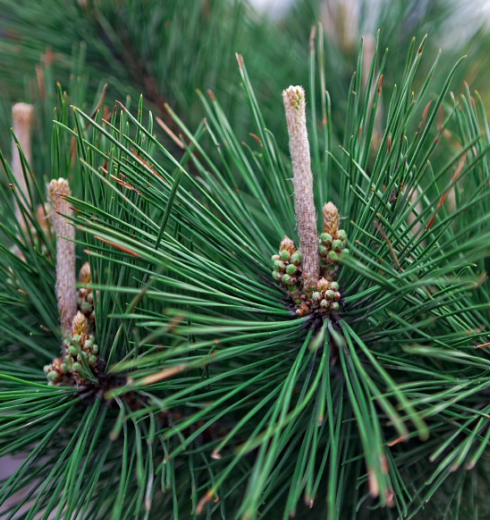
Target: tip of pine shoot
x=294 y=96
x=22 y=113
x=330 y=218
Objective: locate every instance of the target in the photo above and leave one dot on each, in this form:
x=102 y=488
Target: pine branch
x=197 y=378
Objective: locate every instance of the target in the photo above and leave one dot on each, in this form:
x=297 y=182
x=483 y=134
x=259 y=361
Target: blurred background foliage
x=167 y=50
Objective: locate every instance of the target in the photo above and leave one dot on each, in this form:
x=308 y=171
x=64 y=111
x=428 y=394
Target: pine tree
x=201 y=320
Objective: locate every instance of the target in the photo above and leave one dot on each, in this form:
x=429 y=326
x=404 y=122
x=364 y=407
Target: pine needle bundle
x=194 y=370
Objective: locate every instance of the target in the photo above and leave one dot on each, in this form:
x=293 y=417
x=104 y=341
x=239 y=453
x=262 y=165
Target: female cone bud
x=323 y=284
x=330 y=218
x=85 y=275
x=287 y=245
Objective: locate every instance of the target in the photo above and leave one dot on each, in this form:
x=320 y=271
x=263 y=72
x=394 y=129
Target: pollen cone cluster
x=324 y=297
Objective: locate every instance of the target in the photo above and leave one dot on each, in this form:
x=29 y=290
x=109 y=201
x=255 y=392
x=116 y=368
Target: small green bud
x=345 y=252
x=90 y=298
x=323 y=250
x=86 y=307
x=64 y=368
x=316 y=295
x=284 y=254
x=341 y=234
x=291 y=269
x=335 y=306
x=53 y=375
x=326 y=238
x=296 y=258
x=76 y=338
x=337 y=245
x=92 y=360
x=333 y=256
x=286 y=279
x=88 y=344
x=73 y=350
x=276 y=276
x=324 y=304
x=279 y=265
x=334 y=286
x=330 y=294
x=95 y=348
x=77 y=367
x=274 y=258
x=47 y=369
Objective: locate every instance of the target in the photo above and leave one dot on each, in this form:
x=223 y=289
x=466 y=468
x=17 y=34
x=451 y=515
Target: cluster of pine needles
x=208 y=395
